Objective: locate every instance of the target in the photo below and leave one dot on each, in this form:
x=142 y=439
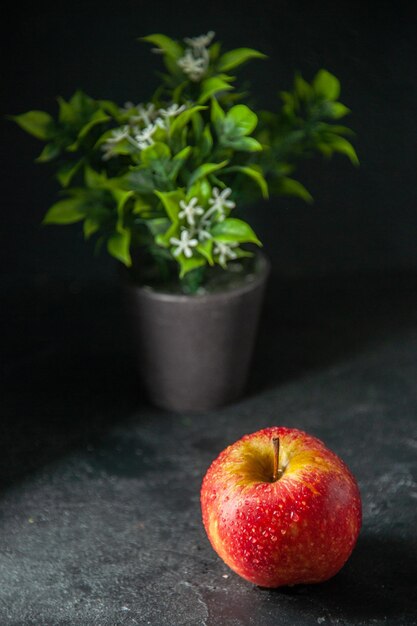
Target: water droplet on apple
x=283 y=531
x=295 y=517
x=273 y=538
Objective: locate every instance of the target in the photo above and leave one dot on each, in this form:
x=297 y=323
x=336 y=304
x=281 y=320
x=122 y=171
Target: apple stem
x=277 y=472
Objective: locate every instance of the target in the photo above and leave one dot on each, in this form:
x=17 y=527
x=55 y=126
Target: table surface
x=99 y=510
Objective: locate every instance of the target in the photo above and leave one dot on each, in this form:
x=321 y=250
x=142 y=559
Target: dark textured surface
x=100 y=519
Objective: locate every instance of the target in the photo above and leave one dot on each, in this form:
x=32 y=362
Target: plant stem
x=277 y=472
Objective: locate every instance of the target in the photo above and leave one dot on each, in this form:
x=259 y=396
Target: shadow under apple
x=377 y=583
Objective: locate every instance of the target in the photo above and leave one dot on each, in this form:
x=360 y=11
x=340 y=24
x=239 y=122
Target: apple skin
x=301 y=528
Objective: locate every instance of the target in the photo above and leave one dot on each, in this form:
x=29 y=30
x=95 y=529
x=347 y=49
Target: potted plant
x=160 y=185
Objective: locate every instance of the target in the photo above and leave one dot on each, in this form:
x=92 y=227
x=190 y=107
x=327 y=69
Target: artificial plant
x=160 y=183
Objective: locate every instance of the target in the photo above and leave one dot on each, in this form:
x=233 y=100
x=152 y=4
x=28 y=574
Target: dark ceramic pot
x=194 y=351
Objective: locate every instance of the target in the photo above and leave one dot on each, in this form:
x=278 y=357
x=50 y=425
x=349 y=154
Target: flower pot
x=194 y=351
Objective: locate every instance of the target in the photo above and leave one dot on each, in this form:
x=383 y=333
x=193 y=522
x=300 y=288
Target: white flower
x=108 y=152
x=144 y=137
x=219 y=200
x=225 y=252
x=173 y=110
x=190 y=210
x=146 y=112
x=204 y=234
x=185 y=244
x=160 y=123
x=202 y=41
x=194 y=67
x=117 y=135
x=196 y=58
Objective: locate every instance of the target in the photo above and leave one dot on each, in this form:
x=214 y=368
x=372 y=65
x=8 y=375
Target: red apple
x=280 y=508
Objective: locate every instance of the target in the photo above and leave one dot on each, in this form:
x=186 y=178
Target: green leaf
x=90 y=227
x=110 y=107
x=81 y=103
x=253 y=173
x=118 y=245
x=183 y=154
x=206 y=143
x=67 y=172
x=290 y=187
x=338 y=110
x=340 y=130
x=204 y=170
x=166 y=44
x=234 y=230
x=50 y=152
x=198 y=125
x=37 y=123
x=217 y=115
x=212 y=86
x=140 y=206
x=121 y=196
x=139 y=179
x=302 y=87
x=326 y=85
x=164 y=239
x=183 y=118
x=243 y=144
x=177 y=163
x=158 y=226
x=93 y=179
x=186 y=265
x=289 y=102
x=156 y=151
x=78 y=110
x=242 y=119
x=176 y=94
x=342 y=145
x=66 y=114
x=215 y=50
x=97 y=118
x=66 y=211
x=201 y=190
x=171 y=202
x=233 y=58
x=206 y=250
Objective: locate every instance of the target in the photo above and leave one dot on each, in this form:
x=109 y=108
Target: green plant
x=159 y=184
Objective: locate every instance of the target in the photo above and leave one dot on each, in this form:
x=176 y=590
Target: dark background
x=363 y=219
